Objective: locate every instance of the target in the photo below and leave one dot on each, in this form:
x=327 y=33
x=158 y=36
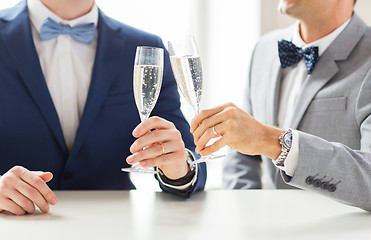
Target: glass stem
x=196 y=107
x=144 y=117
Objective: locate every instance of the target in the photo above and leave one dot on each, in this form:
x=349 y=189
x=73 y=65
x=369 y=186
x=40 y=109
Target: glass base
x=207 y=158
x=136 y=168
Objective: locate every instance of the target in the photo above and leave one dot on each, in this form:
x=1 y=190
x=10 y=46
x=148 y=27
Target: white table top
x=233 y=215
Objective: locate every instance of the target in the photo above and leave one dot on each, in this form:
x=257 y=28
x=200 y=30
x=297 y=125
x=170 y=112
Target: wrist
x=178 y=170
x=271 y=146
x=183 y=179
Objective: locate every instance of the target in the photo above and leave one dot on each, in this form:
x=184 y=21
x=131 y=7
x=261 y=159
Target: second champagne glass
x=148 y=71
x=186 y=64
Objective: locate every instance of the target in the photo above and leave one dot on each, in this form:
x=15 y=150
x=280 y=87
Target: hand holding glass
x=148 y=71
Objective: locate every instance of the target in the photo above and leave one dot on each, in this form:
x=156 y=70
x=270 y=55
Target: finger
x=207 y=124
x=34 y=195
x=10 y=206
x=214 y=147
x=153 y=137
x=202 y=116
x=151 y=123
x=38 y=184
x=204 y=139
x=207 y=113
x=163 y=160
x=153 y=151
x=25 y=203
x=46 y=176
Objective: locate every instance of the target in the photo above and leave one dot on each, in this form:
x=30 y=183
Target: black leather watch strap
x=180 y=181
x=183 y=180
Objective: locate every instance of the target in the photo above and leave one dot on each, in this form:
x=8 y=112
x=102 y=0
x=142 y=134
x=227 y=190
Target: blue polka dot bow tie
x=290 y=54
x=83 y=33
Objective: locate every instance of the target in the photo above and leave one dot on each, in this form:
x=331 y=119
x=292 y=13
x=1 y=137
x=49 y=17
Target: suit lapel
x=17 y=37
x=326 y=68
x=108 y=61
x=274 y=93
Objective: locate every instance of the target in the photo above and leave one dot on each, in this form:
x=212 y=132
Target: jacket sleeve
x=334 y=170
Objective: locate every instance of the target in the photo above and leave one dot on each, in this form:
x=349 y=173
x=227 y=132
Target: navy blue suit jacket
x=30 y=132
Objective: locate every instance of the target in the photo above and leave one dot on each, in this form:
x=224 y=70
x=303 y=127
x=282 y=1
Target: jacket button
x=325 y=185
x=309 y=180
x=67 y=176
x=332 y=188
x=317 y=183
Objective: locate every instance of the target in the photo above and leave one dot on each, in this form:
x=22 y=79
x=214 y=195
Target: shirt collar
x=322 y=43
x=38 y=12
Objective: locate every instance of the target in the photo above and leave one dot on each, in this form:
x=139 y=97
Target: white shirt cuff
x=185 y=186
x=292 y=159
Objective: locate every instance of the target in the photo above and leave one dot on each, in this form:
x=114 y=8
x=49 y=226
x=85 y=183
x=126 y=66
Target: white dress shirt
x=293 y=78
x=67 y=66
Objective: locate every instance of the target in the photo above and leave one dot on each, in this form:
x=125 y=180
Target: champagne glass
x=148 y=71
x=186 y=65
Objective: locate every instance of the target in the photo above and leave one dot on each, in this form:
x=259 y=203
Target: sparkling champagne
x=147 y=85
x=188 y=74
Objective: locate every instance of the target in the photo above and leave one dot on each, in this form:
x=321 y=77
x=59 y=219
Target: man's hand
x=237 y=129
x=159 y=144
x=21 y=189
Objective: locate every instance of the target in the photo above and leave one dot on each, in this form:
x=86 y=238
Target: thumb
x=46 y=176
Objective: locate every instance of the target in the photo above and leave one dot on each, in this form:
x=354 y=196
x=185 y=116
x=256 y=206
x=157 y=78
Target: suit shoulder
x=9 y=14
x=266 y=48
x=130 y=31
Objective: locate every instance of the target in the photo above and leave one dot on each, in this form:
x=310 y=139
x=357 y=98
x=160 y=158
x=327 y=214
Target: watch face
x=287 y=139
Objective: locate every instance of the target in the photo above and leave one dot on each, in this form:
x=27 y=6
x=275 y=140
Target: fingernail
x=46 y=210
x=53 y=201
x=129 y=159
x=143 y=163
x=135 y=132
x=131 y=149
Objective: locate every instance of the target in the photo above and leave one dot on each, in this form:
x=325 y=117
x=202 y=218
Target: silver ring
x=216 y=134
x=163 y=148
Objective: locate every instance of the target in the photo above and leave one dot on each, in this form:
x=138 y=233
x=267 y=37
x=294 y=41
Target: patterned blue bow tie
x=83 y=33
x=290 y=54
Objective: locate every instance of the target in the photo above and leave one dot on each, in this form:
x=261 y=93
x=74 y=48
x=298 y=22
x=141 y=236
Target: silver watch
x=190 y=159
x=285 y=141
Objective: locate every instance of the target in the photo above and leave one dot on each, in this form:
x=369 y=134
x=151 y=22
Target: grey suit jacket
x=333 y=116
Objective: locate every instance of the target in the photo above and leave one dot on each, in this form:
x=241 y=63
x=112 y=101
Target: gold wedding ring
x=163 y=148
x=216 y=134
